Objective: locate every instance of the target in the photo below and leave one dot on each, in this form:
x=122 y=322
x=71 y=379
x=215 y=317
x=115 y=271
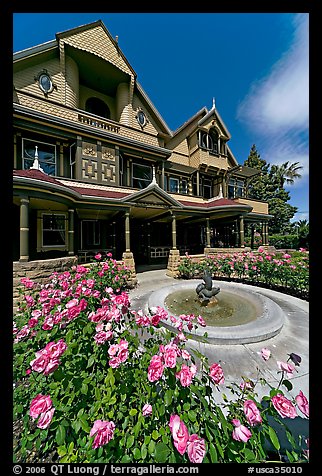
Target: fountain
x=233 y=313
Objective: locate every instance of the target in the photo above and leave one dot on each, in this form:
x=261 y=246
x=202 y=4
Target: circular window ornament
x=141 y=118
x=45 y=83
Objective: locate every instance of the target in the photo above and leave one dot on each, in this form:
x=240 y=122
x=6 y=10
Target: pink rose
x=45 y=419
x=196 y=448
x=147 y=410
x=265 y=353
x=240 y=432
x=155 y=369
x=302 y=403
x=216 y=373
x=186 y=374
x=170 y=356
x=284 y=406
x=104 y=431
x=285 y=367
x=56 y=349
x=179 y=433
x=40 y=404
x=252 y=413
x=201 y=321
x=51 y=366
x=40 y=363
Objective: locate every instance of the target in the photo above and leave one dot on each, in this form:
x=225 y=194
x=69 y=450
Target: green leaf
x=249 y=455
x=287 y=384
x=60 y=435
x=151 y=447
x=168 y=397
x=133 y=411
x=126 y=459
x=84 y=423
x=213 y=453
x=91 y=361
x=136 y=453
x=155 y=434
x=144 y=451
x=192 y=415
x=274 y=438
x=129 y=441
x=84 y=388
x=161 y=452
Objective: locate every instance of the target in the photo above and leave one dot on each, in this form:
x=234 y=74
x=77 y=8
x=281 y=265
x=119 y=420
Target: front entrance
x=150 y=242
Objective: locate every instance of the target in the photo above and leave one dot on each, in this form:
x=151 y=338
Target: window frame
x=96 y=241
x=36 y=142
x=40 y=241
x=176 y=179
x=140 y=178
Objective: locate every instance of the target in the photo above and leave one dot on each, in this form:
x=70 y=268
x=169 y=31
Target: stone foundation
x=128 y=260
x=38 y=271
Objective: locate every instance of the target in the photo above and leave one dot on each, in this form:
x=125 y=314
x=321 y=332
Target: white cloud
x=276 y=108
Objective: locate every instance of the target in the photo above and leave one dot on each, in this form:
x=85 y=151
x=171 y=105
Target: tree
x=285 y=173
x=269 y=187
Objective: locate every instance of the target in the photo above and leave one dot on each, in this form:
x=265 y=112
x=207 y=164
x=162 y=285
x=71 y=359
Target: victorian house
x=96 y=168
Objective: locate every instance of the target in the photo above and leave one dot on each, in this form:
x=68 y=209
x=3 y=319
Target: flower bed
x=278 y=271
x=95 y=381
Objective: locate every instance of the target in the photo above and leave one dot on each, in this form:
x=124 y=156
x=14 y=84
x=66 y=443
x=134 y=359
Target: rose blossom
x=265 y=353
x=155 y=369
x=196 y=448
x=45 y=419
x=147 y=410
x=302 y=403
x=252 y=413
x=40 y=404
x=170 y=356
x=240 y=432
x=284 y=406
x=104 y=431
x=186 y=374
x=285 y=367
x=179 y=433
x=216 y=373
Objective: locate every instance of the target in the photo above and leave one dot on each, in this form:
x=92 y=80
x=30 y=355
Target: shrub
x=98 y=382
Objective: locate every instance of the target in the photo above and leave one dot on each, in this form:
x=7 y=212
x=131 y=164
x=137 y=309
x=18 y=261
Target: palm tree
x=286 y=173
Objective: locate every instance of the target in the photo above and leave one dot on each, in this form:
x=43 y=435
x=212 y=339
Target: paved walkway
x=243 y=360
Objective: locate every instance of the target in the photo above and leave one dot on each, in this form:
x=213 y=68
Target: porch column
x=71 y=212
x=127 y=232
x=174 y=233
x=208 y=232
x=24 y=229
x=241 y=232
x=149 y=241
x=114 y=238
x=265 y=233
x=236 y=233
x=127 y=256
x=174 y=254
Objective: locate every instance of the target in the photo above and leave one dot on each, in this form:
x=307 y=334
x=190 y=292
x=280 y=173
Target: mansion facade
x=96 y=168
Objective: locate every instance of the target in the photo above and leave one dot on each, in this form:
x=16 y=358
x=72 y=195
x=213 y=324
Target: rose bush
x=95 y=381
x=278 y=270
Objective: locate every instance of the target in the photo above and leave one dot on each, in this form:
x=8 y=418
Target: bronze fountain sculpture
x=206 y=291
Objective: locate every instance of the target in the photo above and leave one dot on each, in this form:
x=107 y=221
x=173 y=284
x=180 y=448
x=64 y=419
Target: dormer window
x=209 y=141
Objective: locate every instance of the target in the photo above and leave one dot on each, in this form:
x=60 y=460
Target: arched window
x=98 y=107
x=209 y=141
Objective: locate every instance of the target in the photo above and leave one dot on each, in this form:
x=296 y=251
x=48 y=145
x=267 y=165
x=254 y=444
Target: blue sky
x=255 y=65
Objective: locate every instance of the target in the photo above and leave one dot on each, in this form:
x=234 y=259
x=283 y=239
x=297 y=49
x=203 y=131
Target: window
x=174 y=185
x=53 y=230
x=98 y=107
x=46 y=155
x=90 y=233
x=45 y=82
x=207 y=188
x=141 y=118
x=184 y=186
x=141 y=175
x=235 y=188
x=209 y=141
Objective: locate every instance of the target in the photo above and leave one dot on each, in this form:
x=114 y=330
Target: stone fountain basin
x=268 y=323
